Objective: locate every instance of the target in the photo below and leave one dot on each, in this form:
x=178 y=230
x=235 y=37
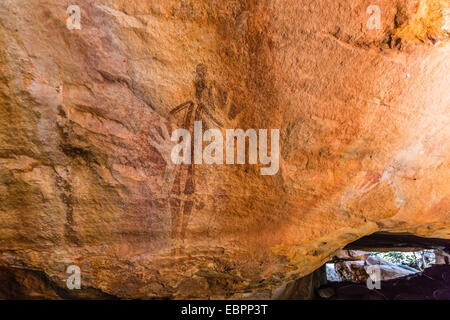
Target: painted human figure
x=181 y=187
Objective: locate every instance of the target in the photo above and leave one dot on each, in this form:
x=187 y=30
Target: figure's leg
x=175 y=203
x=183 y=177
x=189 y=191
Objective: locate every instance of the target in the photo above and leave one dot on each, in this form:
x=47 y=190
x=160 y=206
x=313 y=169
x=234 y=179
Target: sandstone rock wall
x=363 y=118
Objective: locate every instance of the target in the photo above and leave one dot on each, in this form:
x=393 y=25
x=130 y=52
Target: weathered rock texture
x=363 y=116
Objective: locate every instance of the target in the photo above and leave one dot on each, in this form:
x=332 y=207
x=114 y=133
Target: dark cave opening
x=385 y=266
x=377 y=277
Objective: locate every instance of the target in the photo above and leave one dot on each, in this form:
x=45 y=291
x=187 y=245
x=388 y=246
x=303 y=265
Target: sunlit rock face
x=85 y=178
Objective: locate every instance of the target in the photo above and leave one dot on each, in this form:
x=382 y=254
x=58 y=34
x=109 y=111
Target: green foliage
x=418 y=260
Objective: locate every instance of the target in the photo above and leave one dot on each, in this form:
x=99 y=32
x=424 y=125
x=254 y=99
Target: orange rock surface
x=363 y=116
